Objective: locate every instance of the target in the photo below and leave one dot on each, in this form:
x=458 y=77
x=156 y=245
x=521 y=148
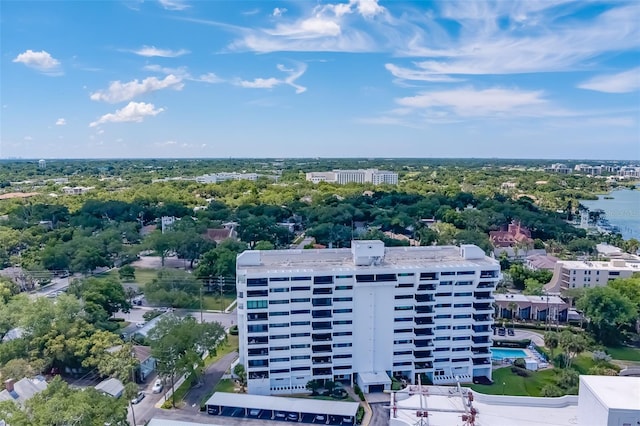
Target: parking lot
x=281 y=416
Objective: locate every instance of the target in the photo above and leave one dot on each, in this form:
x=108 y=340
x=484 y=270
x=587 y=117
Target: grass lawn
x=624 y=353
x=225 y=385
x=516 y=385
x=144 y=276
x=223 y=349
x=210 y=302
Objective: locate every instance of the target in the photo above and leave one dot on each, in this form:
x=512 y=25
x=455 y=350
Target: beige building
x=586 y=274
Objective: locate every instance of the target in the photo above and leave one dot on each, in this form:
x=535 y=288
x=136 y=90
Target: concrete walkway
x=367 y=409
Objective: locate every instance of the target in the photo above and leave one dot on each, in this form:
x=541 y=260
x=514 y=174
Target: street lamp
x=503 y=385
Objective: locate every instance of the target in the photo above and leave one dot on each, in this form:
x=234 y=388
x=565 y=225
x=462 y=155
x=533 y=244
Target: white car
x=157 y=386
x=139 y=397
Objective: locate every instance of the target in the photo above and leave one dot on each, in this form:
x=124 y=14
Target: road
x=146 y=409
x=380 y=415
x=136 y=313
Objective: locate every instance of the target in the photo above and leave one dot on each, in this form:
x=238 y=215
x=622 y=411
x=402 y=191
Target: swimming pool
x=500 y=354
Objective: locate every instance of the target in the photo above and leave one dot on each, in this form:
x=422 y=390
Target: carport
x=281 y=408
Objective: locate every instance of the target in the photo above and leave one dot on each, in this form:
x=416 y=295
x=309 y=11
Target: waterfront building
x=342 y=177
x=585 y=274
x=365 y=314
x=558 y=168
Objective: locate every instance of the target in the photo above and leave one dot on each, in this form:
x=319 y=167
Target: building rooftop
x=615 y=392
x=167 y=422
x=618 y=265
x=293 y=405
x=342 y=259
x=553 y=300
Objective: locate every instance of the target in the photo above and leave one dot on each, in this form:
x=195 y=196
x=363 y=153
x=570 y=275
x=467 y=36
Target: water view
x=622 y=208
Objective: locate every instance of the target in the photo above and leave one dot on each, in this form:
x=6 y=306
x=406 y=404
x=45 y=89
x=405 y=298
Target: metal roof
x=294 y=405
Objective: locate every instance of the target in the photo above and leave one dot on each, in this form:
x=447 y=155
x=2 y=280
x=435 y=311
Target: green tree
x=102 y=297
x=551 y=342
x=608 y=312
x=572 y=345
x=127 y=273
x=161 y=243
x=175 y=288
x=241 y=373
x=533 y=287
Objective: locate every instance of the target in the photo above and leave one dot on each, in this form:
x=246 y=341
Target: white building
x=342 y=177
x=42 y=164
x=585 y=274
x=223 y=177
x=364 y=314
x=558 y=168
x=609 y=401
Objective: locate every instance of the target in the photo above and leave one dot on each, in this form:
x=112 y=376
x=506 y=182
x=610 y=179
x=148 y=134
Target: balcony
x=422 y=354
x=423 y=320
x=321 y=302
x=489 y=274
x=316 y=349
x=425 y=298
x=427 y=287
x=423 y=331
x=258 y=317
x=480 y=352
x=482 y=329
x=481 y=340
x=258 y=352
x=486 y=284
x=321 y=337
x=321 y=360
x=325 y=290
x=482 y=307
x=325 y=313
x=258 y=340
x=322 y=372
x=423 y=309
x=483 y=295
x=423 y=365
x=481 y=361
x=321 y=325
x=423 y=343
x=479 y=319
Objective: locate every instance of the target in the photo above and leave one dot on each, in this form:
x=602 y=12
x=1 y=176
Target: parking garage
x=282 y=409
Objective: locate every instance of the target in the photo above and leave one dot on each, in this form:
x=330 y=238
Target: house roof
x=113 y=387
x=218 y=234
x=23 y=390
x=142 y=353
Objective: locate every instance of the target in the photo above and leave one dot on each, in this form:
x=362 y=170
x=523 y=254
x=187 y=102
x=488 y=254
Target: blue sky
x=173 y=78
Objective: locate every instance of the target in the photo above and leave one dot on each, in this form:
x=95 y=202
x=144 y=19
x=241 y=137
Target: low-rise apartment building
x=342 y=177
x=365 y=314
x=585 y=274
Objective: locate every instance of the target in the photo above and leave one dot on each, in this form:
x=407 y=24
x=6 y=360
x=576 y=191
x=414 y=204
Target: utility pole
x=201 y=321
x=221 y=284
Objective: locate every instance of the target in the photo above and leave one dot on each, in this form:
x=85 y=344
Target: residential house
x=22 y=390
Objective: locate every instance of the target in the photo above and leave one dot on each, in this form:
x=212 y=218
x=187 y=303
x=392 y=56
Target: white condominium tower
x=342 y=177
x=364 y=314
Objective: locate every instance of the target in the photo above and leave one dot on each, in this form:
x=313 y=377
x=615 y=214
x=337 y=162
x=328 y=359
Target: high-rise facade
x=364 y=314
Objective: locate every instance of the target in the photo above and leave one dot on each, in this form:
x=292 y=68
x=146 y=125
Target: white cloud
x=207 y=78
x=151 y=51
x=166 y=143
x=61 y=122
x=470 y=102
x=368 y=8
x=271 y=82
x=133 y=112
x=279 y=11
x=118 y=91
x=183 y=73
x=41 y=61
x=28 y=138
x=174 y=4
x=418 y=75
x=624 y=82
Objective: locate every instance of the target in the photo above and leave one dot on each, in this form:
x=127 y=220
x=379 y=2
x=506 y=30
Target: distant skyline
x=216 y=79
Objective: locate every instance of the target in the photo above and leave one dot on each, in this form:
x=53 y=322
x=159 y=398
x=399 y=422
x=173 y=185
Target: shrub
x=358 y=391
x=522 y=372
x=599 y=356
x=359 y=414
x=520 y=363
x=233 y=330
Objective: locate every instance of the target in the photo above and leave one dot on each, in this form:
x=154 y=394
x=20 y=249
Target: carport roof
x=377 y=378
x=166 y=422
x=277 y=403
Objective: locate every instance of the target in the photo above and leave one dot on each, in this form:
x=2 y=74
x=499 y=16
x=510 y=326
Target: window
x=300 y=334
x=342 y=356
x=342 y=345
x=385 y=277
x=301 y=346
x=365 y=278
x=257 y=282
x=279 y=279
x=443 y=327
x=461 y=327
x=443 y=294
x=300 y=278
x=298 y=323
x=403 y=308
x=284 y=370
x=446 y=282
x=279 y=290
x=300 y=368
x=459 y=349
x=257 y=304
x=462 y=305
x=257 y=293
x=403 y=330
x=342 y=333
x=402 y=341
x=406 y=274
x=258 y=363
x=302 y=300
x=327 y=279
x=280 y=336
x=464 y=294
x=279 y=325
x=342 y=367
x=300 y=311
x=342 y=322
x=297 y=357
x=441 y=316
x=278 y=314
x=447 y=273
x=464 y=282
x=466 y=273
x=441 y=350
x=344 y=287
x=399 y=353
x=344 y=276
x=428 y=276
x=443 y=305
x=278 y=302
x=458 y=338
x=460 y=316
x=279 y=360
x=298 y=288
x=343 y=299
x=440 y=338
x=403 y=296
x=257 y=328
x=279 y=348
x=406 y=319
x=342 y=311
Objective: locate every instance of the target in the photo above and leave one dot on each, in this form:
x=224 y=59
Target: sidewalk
x=368 y=414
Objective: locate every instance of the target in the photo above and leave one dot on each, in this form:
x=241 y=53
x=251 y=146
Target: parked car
x=254 y=412
x=292 y=416
x=140 y=324
x=139 y=397
x=511 y=332
x=157 y=386
x=319 y=418
x=280 y=415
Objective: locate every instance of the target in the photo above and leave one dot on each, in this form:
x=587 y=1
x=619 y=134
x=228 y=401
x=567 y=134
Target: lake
x=622 y=211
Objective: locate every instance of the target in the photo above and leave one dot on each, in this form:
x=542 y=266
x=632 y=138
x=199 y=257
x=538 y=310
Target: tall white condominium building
x=364 y=314
x=584 y=274
x=342 y=177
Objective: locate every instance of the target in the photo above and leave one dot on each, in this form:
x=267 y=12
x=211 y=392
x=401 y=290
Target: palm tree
x=551 y=341
x=513 y=307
